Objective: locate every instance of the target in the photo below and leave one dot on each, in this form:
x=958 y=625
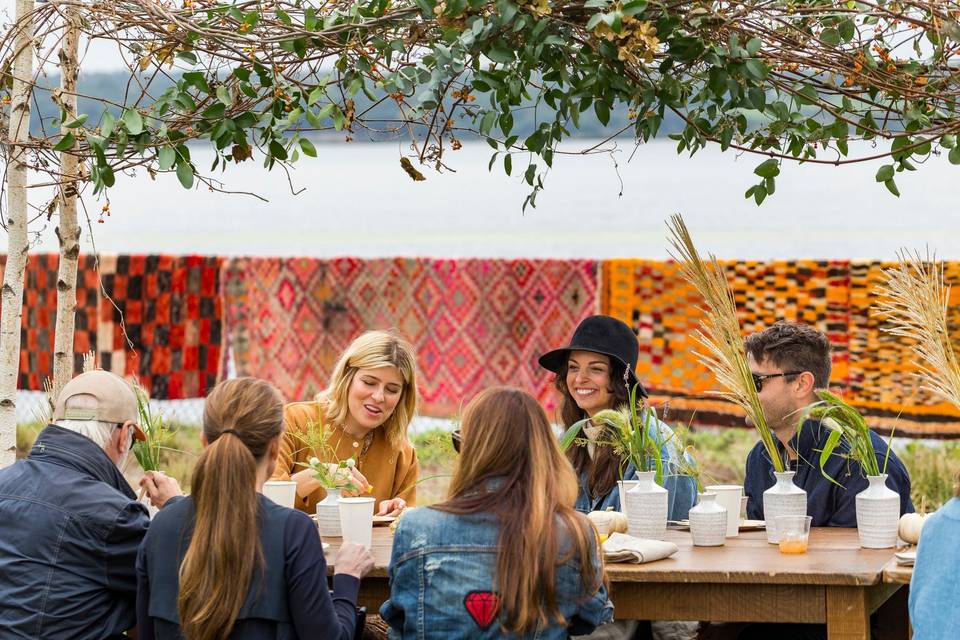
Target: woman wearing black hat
x=596 y=372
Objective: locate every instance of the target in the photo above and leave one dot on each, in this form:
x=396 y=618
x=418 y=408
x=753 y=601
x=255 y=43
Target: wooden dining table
x=835 y=582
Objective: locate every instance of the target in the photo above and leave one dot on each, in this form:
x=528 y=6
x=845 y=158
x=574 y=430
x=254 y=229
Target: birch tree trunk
x=12 y=292
x=68 y=231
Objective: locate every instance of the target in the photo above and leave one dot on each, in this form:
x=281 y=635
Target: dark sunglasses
x=758 y=378
x=456 y=439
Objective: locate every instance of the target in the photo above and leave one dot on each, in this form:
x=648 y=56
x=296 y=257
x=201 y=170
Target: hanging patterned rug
x=873 y=370
x=474 y=323
x=39 y=320
x=161 y=320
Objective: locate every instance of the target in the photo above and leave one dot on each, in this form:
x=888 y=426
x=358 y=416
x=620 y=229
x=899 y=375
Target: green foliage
x=254 y=78
x=849 y=438
x=328 y=470
x=631 y=434
x=157 y=431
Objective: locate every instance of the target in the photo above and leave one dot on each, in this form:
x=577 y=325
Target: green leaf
x=507 y=164
x=833 y=440
x=954 y=156
x=315 y=95
x=891 y=186
x=768 y=169
x=107 y=124
x=277 y=150
x=756 y=69
x=847 y=30
x=308 y=148
x=185 y=174
x=758 y=98
x=66 y=142
x=133 y=121
x=759 y=194
x=166 y=157
x=223 y=95
x=602 y=110
x=73 y=124
x=187 y=57
x=501 y=53
x=570 y=435
x=830 y=36
x=885 y=173
x=214 y=111
x=753 y=46
x=487 y=122
x=106 y=175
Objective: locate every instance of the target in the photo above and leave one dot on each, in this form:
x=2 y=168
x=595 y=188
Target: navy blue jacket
x=289 y=600
x=70 y=526
x=828 y=504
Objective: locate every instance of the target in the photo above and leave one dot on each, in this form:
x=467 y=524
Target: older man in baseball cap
x=70 y=524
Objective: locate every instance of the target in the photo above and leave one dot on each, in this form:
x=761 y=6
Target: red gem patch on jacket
x=482 y=607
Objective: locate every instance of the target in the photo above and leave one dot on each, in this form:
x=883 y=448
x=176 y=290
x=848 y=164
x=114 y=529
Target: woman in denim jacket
x=506 y=555
x=596 y=372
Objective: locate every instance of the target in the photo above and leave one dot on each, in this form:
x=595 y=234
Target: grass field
x=933 y=465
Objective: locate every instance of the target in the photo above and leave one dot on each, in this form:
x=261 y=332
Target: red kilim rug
x=160 y=320
x=39 y=321
x=474 y=323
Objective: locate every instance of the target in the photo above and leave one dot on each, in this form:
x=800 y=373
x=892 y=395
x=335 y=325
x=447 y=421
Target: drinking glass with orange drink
x=794 y=532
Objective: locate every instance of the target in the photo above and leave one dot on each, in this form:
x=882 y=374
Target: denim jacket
x=441 y=582
x=933 y=590
x=681 y=489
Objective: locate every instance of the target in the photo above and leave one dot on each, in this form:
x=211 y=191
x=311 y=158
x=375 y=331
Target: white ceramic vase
x=878 y=514
x=708 y=521
x=328 y=515
x=647 y=508
x=782 y=499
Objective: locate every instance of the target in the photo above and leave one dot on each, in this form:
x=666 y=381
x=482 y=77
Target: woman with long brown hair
x=596 y=371
x=363 y=414
x=226 y=562
x=506 y=554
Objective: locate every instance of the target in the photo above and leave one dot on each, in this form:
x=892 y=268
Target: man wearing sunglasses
x=789 y=362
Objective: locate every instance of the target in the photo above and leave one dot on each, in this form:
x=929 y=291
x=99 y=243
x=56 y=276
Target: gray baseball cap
x=116 y=400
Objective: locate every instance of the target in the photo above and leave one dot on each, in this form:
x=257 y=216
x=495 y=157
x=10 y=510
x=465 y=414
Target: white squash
x=911 y=525
x=609 y=521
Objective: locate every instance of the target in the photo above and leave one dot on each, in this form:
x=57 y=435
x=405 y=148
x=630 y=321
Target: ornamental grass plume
x=719 y=333
x=914 y=299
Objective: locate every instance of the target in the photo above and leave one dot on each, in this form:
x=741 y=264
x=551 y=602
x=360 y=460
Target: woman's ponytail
x=240 y=420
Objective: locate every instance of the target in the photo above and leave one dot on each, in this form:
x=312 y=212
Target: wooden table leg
x=848 y=613
x=893 y=617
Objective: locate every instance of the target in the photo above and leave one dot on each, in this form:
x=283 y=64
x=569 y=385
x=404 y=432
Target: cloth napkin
x=620 y=547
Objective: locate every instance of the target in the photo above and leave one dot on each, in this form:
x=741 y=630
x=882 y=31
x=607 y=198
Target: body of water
x=358 y=201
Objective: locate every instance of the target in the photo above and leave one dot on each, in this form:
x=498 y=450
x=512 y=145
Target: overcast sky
x=101 y=56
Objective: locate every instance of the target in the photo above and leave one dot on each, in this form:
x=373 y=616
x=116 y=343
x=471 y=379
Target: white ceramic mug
x=728 y=495
x=283 y=492
x=356 y=520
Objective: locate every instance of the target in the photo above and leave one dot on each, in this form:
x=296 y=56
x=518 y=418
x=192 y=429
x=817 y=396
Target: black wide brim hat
x=604 y=335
